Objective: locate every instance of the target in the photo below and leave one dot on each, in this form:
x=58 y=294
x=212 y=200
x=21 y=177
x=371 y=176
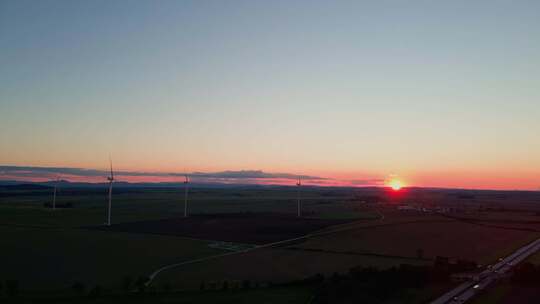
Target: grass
x=535 y=258
x=56 y=258
x=366 y=215
x=446 y=238
x=275 y=265
x=511 y=246
x=421 y=295
x=285 y=294
x=131 y=205
x=46 y=249
x=60 y=252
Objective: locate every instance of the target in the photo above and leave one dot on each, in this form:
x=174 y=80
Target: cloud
x=40 y=171
x=367 y=182
x=52 y=172
x=241 y=177
x=252 y=174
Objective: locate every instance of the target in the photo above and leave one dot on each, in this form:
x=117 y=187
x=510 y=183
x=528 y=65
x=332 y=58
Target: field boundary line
x=350 y=226
x=154 y=274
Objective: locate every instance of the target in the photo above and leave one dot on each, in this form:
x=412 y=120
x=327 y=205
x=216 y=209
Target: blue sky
x=422 y=89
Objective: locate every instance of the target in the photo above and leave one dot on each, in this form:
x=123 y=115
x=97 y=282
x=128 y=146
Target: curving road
x=336 y=229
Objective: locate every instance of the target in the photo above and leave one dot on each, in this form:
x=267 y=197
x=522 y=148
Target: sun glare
x=395 y=184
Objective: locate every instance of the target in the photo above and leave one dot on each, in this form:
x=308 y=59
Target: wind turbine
x=111 y=180
x=186 y=189
x=299 y=184
x=54 y=193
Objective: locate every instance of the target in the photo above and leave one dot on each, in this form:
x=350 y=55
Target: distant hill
x=26 y=187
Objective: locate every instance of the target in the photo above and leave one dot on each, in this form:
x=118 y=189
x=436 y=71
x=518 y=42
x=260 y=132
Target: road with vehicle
x=469 y=289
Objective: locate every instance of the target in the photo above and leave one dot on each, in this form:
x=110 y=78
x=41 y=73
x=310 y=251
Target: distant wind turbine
x=186 y=189
x=299 y=184
x=54 y=193
x=111 y=180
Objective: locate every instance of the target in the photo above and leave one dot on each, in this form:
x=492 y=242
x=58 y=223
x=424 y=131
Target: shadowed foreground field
x=251 y=228
x=380 y=244
x=54 y=259
x=275 y=265
x=44 y=249
x=269 y=295
x=434 y=238
x=48 y=251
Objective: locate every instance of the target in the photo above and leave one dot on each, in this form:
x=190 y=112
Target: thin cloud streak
x=31 y=173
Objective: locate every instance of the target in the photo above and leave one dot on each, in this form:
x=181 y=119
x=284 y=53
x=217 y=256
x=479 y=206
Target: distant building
x=406 y=208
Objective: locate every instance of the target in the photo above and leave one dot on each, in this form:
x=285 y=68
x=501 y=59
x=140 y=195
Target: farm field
x=56 y=258
x=50 y=250
x=535 y=259
x=526 y=221
x=25 y=207
x=435 y=238
x=46 y=249
x=267 y=295
x=526 y=217
x=251 y=228
x=273 y=265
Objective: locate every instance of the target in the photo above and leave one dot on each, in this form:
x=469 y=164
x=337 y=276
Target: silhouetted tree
x=335 y=277
x=225 y=285
x=246 y=284
x=166 y=287
x=78 y=287
x=371 y=285
x=202 y=286
x=95 y=292
x=12 y=288
x=526 y=274
x=464 y=265
x=319 y=278
x=151 y=289
x=127 y=283
x=141 y=283
x=420 y=253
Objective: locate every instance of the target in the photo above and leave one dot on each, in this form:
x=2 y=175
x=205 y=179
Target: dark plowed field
x=250 y=228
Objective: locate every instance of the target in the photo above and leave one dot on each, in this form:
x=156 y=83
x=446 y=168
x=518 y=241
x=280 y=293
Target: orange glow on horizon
x=458 y=179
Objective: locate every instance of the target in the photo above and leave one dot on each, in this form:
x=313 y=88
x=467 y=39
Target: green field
x=535 y=259
x=435 y=237
x=268 y=295
x=56 y=258
x=131 y=205
x=48 y=251
x=279 y=265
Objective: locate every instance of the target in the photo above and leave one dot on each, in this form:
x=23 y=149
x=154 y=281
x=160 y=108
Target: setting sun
x=395 y=184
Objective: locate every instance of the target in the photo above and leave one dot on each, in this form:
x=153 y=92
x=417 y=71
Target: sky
x=435 y=93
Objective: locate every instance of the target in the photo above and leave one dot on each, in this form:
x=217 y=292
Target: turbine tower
x=299 y=184
x=186 y=189
x=111 y=180
x=54 y=194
